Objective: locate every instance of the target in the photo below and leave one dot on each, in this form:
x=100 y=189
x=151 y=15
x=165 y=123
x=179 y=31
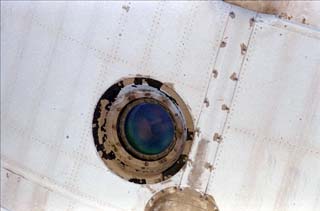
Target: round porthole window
x=142 y=130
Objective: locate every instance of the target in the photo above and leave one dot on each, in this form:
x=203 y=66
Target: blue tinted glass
x=149 y=128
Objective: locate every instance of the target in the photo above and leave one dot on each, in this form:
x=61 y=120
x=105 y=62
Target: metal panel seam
x=232 y=98
x=210 y=79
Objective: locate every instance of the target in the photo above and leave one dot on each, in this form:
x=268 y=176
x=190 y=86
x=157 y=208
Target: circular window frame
x=113 y=150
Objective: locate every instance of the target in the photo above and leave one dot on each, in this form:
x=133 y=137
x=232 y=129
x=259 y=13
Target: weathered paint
x=177 y=199
x=305 y=12
x=110 y=142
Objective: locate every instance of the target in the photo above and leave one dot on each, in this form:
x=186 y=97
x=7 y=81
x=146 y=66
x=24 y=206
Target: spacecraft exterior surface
x=235 y=96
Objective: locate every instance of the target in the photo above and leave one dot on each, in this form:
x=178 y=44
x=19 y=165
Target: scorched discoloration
x=194 y=179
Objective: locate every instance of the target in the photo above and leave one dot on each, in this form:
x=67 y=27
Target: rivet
x=206 y=102
x=215 y=73
x=223 y=44
x=234 y=77
x=243 y=48
x=217 y=137
x=224 y=107
x=251 y=21
x=232 y=14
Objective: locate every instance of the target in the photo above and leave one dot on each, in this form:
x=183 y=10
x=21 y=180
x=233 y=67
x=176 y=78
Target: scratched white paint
x=57 y=58
x=220 y=92
x=270 y=155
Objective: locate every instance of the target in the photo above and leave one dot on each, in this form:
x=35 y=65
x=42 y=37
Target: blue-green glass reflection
x=149 y=128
